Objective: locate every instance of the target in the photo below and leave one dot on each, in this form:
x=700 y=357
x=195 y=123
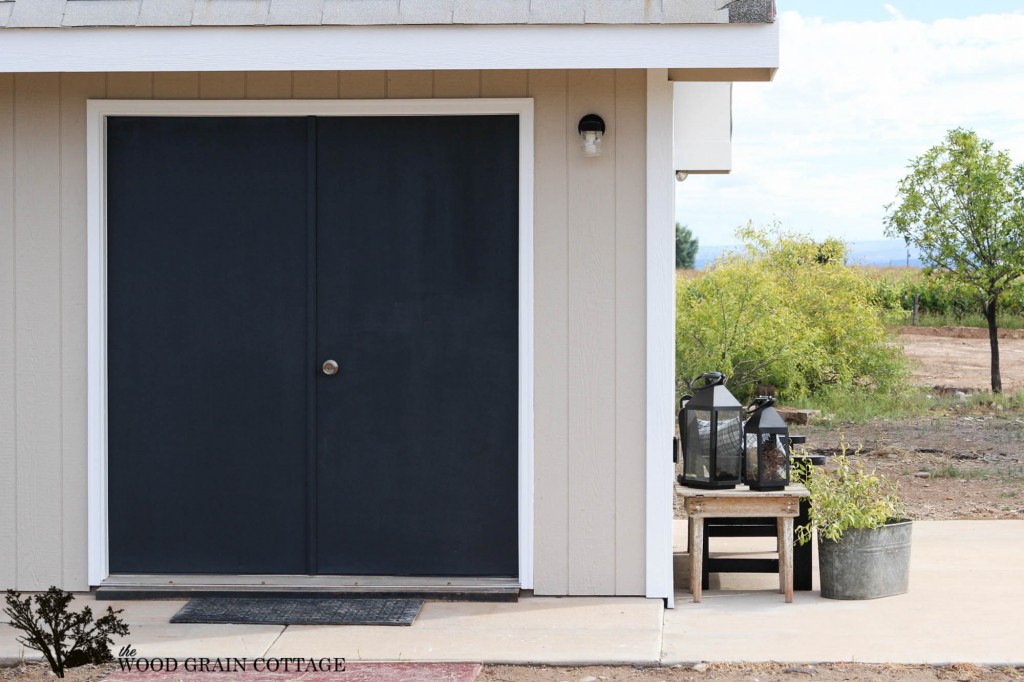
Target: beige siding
x=551 y=337
x=315 y=84
x=37 y=328
x=630 y=320
x=589 y=308
x=591 y=228
x=8 y=422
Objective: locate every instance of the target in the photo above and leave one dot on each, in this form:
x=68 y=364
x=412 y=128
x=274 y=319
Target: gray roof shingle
x=109 y=12
x=166 y=12
x=56 y=13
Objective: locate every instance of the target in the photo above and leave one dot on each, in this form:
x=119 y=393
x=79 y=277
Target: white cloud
x=823 y=147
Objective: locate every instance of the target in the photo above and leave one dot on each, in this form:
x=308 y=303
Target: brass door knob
x=330 y=368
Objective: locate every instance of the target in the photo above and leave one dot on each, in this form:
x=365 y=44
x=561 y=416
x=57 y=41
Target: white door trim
x=99 y=110
x=661 y=357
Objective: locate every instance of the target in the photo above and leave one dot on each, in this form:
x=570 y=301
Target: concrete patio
x=964 y=605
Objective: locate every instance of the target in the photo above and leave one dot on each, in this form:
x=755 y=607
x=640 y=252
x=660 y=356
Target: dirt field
x=959 y=357
x=953 y=464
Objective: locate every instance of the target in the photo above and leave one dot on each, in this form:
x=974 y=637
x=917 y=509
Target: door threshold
x=148 y=586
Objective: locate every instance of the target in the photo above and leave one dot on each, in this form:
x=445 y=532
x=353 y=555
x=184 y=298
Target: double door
x=313 y=345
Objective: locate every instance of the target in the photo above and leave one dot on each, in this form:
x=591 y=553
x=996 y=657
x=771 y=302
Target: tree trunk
x=993 y=342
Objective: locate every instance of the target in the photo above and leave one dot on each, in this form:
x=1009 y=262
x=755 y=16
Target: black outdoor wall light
x=591 y=128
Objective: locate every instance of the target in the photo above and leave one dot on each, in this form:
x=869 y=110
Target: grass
x=859 y=406
x=1011 y=473
x=988 y=400
x=953 y=471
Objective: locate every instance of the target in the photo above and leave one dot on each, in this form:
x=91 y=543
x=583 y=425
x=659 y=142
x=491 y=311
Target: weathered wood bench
x=781 y=506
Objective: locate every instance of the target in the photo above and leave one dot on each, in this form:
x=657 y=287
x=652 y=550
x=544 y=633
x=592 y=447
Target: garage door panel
x=418 y=301
x=207 y=358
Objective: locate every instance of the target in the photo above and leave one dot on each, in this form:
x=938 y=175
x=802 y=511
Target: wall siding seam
x=615 y=335
x=60 y=306
x=14 y=319
x=568 y=374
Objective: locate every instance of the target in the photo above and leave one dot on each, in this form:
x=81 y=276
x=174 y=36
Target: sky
x=863 y=88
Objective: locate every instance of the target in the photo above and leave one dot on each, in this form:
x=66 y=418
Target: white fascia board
x=360 y=48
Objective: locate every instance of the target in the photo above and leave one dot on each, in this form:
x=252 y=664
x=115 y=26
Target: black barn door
x=417 y=303
x=206 y=327
x=243 y=254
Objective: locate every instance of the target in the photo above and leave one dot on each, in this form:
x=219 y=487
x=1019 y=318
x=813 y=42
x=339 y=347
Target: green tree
x=962 y=206
x=776 y=312
x=686 y=247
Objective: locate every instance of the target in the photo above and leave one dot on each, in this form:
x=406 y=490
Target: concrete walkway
x=966 y=603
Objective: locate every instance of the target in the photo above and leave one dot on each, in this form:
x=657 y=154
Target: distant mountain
x=887 y=252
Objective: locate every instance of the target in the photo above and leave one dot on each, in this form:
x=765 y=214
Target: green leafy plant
x=847 y=496
x=66 y=639
x=786 y=311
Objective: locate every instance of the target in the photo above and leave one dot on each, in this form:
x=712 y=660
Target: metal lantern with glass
x=711 y=427
x=766 y=460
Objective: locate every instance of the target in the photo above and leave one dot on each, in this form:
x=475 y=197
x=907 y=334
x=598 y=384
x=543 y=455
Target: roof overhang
x=702 y=52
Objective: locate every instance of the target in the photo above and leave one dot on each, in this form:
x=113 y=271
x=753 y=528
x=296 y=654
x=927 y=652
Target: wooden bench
x=741 y=503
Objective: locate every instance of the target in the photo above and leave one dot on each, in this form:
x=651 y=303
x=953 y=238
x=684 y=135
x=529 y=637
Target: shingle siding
x=56 y=13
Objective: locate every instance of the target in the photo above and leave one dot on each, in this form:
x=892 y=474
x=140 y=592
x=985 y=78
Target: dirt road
x=959 y=357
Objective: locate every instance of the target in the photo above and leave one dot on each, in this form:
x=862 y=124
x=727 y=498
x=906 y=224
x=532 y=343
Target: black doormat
x=302 y=611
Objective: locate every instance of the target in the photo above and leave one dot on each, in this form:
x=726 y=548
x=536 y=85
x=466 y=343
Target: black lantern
x=711 y=426
x=766 y=461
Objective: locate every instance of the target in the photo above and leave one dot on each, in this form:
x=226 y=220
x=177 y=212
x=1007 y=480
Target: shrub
x=786 y=311
x=67 y=639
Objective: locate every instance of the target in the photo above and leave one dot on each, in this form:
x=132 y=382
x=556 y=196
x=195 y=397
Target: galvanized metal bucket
x=866 y=563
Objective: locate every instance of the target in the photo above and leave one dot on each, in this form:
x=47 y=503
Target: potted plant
x=863 y=533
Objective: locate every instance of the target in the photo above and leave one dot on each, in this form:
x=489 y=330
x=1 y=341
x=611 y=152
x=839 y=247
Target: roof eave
x=708 y=51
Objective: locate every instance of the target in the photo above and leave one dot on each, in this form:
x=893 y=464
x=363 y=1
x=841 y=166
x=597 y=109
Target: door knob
x=330 y=368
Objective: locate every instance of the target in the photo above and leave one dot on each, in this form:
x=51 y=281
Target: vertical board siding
x=221 y=85
x=551 y=343
x=589 y=315
x=456 y=84
x=268 y=85
x=175 y=85
x=504 y=83
x=130 y=85
x=8 y=451
x=410 y=84
x=37 y=330
x=76 y=88
x=591 y=229
x=315 y=84
x=630 y=329
x=363 y=84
